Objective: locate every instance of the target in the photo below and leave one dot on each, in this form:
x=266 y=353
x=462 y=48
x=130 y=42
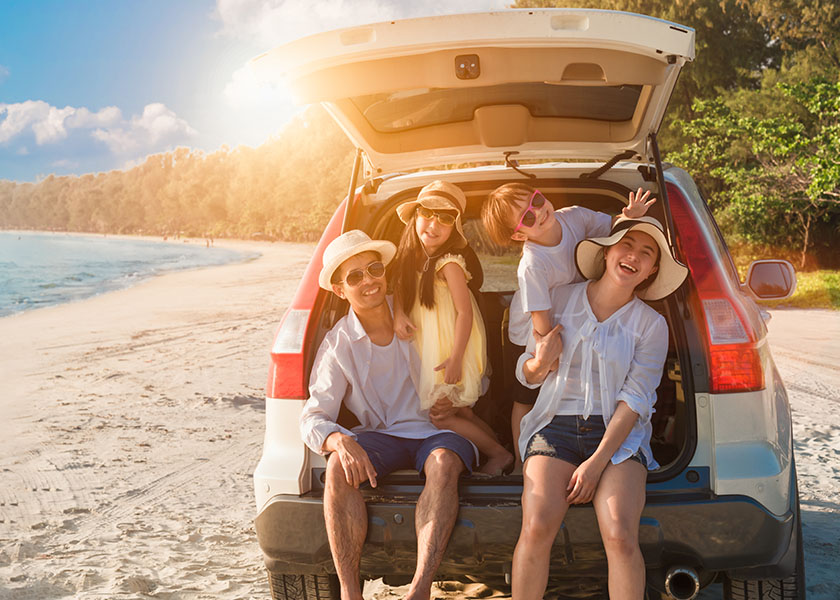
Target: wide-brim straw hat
x=589 y=256
x=438 y=195
x=348 y=244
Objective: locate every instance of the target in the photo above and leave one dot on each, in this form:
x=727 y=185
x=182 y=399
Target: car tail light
x=732 y=341
x=287 y=374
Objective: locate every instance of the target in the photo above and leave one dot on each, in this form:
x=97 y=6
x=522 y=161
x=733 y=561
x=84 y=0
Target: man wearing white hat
x=363 y=364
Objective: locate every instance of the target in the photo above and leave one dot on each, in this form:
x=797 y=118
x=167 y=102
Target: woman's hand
x=403 y=326
x=585 y=480
x=452 y=369
x=638 y=204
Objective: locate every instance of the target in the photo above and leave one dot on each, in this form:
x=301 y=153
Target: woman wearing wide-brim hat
x=587 y=439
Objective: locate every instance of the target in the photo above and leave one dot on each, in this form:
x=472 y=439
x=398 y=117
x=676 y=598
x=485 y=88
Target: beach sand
x=131 y=424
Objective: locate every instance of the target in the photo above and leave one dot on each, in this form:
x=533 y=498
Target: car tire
x=792 y=587
x=303 y=587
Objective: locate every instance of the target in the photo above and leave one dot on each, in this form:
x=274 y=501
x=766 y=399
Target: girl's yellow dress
x=435 y=338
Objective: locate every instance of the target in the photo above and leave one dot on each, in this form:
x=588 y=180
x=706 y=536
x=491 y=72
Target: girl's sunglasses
x=444 y=218
x=529 y=217
x=356 y=276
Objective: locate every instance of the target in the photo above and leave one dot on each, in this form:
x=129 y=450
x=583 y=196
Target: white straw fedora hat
x=438 y=195
x=589 y=256
x=349 y=244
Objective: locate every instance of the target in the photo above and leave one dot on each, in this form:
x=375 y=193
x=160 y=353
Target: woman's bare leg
x=619 y=501
x=517 y=411
x=544 y=481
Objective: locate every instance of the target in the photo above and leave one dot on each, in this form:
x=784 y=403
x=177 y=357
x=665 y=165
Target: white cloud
x=4 y=72
x=50 y=128
x=157 y=126
x=64 y=163
x=273 y=22
x=49 y=124
x=83 y=118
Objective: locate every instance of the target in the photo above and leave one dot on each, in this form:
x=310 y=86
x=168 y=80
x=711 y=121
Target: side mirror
x=770 y=279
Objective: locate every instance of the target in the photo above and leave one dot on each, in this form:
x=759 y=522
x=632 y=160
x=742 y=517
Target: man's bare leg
x=346 y=519
x=437 y=510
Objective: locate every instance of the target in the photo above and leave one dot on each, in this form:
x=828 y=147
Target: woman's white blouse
x=629 y=349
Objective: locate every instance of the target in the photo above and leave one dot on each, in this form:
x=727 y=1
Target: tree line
x=286 y=189
x=755 y=119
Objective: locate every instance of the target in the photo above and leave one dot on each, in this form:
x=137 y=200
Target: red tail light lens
x=287 y=374
x=732 y=342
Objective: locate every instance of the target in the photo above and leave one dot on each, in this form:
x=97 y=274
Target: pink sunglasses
x=529 y=217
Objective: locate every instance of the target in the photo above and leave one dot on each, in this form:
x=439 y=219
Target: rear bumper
x=711 y=533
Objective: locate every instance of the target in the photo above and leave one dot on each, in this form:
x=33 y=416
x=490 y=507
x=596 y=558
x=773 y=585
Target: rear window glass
x=410 y=109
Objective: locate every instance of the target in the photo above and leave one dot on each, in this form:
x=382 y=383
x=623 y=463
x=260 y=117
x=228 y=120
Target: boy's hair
x=495 y=213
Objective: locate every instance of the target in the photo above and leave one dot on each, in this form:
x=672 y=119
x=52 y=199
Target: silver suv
x=569 y=101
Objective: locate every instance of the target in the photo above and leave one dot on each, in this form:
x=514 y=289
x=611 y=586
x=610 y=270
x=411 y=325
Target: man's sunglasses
x=529 y=217
x=444 y=218
x=356 y=276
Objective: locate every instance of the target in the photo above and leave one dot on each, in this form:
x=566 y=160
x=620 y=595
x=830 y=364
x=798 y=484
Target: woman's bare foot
x=498 y=464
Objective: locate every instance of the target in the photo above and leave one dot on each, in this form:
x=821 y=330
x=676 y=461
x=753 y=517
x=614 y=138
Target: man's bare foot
x=499 y=464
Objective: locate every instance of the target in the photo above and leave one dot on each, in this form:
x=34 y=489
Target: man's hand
x=403 y=326
x=354 y=460
x=585 y=480
x=442 y=409
x=638 y=204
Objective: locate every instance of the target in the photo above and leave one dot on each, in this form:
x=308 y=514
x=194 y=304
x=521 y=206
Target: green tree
x=777 y=177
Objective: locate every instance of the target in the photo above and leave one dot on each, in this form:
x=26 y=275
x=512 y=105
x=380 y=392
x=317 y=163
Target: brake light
x=732 y=342
x=287 y=374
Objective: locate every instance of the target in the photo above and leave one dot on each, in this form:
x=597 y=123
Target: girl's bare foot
x=498 y=464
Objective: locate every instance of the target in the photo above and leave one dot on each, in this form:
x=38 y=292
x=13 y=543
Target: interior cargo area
x=672 y=428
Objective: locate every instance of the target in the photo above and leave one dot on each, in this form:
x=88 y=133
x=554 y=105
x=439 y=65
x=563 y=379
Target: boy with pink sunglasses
x=518 y=213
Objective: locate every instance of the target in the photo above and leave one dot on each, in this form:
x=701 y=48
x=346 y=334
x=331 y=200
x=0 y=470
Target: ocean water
x=44 y=269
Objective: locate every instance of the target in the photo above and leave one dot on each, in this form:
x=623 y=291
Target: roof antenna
x=514 y=164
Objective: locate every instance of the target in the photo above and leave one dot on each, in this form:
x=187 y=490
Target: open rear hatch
x=543 y=84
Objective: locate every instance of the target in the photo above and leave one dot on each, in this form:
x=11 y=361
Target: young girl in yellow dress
x=433 y=304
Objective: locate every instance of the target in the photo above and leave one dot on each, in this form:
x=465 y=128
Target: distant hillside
x=285 y=189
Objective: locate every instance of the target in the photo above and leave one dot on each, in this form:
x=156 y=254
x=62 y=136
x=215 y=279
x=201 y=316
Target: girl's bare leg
x=619 y=501
x=467 y=424
x=544 y=481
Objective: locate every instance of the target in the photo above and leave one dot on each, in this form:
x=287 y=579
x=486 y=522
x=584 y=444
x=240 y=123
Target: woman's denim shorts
x=571 y=438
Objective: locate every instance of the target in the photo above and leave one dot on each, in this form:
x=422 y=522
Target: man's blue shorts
x=389 y=453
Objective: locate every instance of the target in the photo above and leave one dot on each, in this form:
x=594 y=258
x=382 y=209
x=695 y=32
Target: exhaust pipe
x=682 y=583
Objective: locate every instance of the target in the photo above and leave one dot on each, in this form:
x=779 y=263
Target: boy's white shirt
x=543 y=268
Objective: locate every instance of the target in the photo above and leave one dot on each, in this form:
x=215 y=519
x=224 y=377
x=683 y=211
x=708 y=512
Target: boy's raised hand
x=638 y=204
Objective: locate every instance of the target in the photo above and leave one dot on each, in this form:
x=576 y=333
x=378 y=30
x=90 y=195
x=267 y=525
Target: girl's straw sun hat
x=437 y=195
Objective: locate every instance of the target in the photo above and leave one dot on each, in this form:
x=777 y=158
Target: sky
x=94 y=85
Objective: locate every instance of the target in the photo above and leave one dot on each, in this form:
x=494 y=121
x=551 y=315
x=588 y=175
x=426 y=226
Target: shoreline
x=249 y=250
